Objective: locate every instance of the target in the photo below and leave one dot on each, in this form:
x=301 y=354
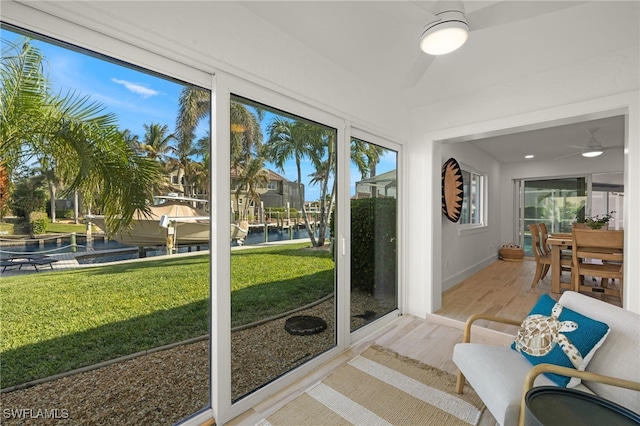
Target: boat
x=239 y=232
x=171 y=216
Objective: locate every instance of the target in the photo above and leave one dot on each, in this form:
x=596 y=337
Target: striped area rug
x=381 y=387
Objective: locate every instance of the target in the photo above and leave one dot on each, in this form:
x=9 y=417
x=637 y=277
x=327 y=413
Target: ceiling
x=555 y=143
x=378 y=41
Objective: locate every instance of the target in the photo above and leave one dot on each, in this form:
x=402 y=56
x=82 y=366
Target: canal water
x=125 y=252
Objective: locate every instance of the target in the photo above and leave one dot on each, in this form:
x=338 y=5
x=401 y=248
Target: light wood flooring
x=503 y=289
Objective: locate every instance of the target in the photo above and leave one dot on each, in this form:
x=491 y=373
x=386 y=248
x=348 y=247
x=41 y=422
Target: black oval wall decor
x=452 y=193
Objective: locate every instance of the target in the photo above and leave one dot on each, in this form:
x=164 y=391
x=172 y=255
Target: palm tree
x=366 y=157
x=323 y=158
x=195 y=104
x=132 y=140
x=182 y=161
x=297 y=140
x=4 y=192
x=157 y=143
x=250 y=178
x=246 y=135
x=54 y=181
x=74 y=131
x=248 y=174
x=203 y=176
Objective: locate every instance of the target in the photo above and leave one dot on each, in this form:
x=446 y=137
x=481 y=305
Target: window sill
x=472 y=230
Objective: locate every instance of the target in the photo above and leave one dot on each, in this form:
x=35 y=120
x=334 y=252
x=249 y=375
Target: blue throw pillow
x=554 y=334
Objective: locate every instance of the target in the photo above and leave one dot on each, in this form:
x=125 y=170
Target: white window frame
x=226 y=85
x=481 y=202
x=356 y=132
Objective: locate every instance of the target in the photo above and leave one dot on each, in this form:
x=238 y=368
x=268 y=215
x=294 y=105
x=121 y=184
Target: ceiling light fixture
x=528 y=156
x=448 y=32
x=592 y=153
x=593 y=147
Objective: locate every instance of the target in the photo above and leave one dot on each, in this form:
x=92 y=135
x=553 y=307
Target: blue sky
x=138 y=98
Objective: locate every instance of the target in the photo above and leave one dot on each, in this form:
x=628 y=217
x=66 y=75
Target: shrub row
x=374 y=245
x=38 y=222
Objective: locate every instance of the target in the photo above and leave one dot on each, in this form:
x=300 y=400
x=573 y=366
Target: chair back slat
x=605 y=247
x=535 y=240
x=583 y=238
x=544 y=234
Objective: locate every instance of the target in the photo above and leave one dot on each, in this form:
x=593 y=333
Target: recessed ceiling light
x=528 y=156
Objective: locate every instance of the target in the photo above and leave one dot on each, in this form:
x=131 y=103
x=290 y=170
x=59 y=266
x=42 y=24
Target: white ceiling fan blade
x=418 y=69
x=584 y=148
x=508 y=11
x=567 y=156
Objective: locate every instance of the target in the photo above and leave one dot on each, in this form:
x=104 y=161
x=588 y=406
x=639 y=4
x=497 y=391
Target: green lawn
x=8 y=227
x=58 y=321
x=13 y=227
x=66 y=228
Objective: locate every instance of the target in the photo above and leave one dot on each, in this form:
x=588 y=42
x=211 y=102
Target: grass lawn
x=58 y=321
x=66 y=228
x=13 y=227
x=8 y=227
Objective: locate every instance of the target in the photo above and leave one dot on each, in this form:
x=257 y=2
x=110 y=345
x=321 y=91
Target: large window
x=473 y=198
x=283 y=287
x=131 y=335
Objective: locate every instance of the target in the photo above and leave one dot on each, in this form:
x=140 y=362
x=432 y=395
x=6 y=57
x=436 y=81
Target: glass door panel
x=283 y=304
x=374 y=253
x=607 y=196
x=144 y=322
x=555 y=202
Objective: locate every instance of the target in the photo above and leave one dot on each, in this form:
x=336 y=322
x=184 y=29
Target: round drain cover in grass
x=304 y=325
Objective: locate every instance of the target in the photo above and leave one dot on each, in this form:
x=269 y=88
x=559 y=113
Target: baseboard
x=462 y=275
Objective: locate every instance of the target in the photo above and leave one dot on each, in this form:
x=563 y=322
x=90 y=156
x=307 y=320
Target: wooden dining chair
x=599 y=254
x=543 y=260
x=544 y=234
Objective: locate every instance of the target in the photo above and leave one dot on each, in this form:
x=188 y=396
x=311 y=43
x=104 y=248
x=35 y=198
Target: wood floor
x=503 y=289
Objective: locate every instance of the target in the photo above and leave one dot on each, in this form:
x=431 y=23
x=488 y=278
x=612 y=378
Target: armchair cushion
x=555 y=334
x=497 y=373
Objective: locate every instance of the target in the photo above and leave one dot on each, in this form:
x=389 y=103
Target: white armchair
x=501 y=376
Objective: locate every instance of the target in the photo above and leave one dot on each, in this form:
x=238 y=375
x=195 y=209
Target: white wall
x=466 y=251
x=424 y=275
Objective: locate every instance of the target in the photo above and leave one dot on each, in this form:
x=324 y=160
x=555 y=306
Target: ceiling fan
x=592 y=148
x=450 y=15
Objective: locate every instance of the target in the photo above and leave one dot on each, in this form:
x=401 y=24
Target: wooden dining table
x=558 y=242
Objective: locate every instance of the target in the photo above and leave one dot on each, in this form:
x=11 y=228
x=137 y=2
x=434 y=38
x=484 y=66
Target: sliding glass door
x=374 y=238
x=283 y=286
x=556 y=202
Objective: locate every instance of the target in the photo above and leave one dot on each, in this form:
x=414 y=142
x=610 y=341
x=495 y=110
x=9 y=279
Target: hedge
x=38 y=222
x=374 y=245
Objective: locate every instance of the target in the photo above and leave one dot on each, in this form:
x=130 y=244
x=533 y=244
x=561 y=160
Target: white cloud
x=145 y=92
